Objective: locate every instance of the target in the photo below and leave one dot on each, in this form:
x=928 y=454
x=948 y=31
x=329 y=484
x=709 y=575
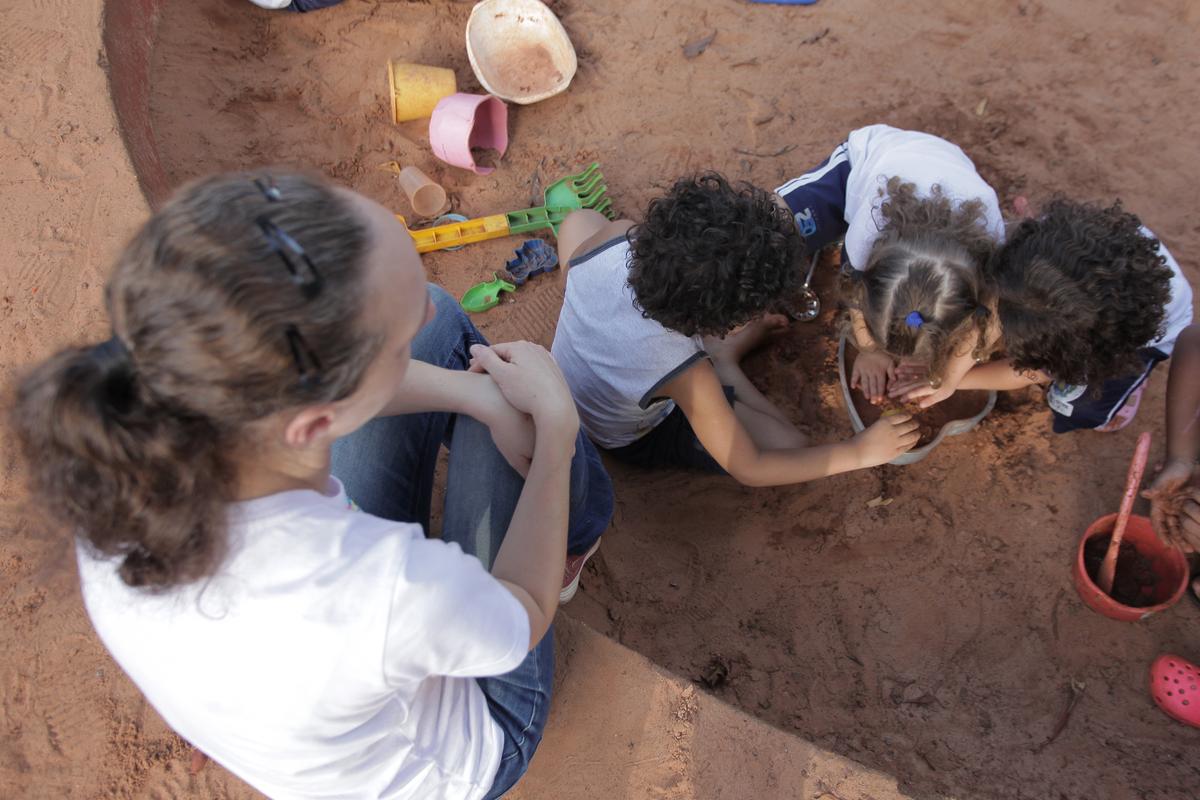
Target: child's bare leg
x=769 y=427
x=577 y=228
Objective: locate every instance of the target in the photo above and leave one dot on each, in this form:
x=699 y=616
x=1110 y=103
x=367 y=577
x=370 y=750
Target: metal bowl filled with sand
x=519 y=50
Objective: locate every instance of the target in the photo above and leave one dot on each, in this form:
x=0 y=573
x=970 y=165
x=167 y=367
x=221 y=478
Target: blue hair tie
x=914 y=319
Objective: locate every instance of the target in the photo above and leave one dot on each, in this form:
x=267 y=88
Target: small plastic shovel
x=1137 y=468
x=483 y=296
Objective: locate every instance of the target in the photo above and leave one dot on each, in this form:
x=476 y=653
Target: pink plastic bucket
x=462 y=121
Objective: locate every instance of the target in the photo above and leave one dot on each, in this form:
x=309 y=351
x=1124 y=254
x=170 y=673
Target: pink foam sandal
x=1175 y=686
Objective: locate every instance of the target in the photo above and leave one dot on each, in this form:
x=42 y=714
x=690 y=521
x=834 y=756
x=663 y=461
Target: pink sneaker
x=1125 y=413
x=572 y=571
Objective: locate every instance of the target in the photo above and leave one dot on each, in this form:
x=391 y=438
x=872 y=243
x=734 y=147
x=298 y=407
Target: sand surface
x=934 y=637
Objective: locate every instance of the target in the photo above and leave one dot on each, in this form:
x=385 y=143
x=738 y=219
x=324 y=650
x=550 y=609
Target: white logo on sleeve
x=806 y=222
x=1062 y=397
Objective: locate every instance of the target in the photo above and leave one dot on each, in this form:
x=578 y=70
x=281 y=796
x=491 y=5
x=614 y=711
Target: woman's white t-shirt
x=333 y=655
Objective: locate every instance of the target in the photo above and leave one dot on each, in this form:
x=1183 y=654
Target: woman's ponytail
x=140 y=480
x=133 y=443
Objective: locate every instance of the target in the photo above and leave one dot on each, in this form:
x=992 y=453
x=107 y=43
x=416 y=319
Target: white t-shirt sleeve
x=880 y=152
x=450 y=617
x=1177 y=316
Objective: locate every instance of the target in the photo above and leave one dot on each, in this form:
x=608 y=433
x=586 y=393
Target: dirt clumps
x=1134 y=577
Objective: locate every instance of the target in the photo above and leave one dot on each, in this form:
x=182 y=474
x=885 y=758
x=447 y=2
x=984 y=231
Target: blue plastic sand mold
x=534 y=257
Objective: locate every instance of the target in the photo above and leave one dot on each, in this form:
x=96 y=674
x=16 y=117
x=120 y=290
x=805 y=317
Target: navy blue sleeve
x=817 y=199
x=312 y=5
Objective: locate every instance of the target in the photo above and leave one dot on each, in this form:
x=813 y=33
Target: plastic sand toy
x=585 y=190
x=533 y=258
x=416 y=89
x=463 y=123
x=519 y=50
x=806 y=305
x=483 y=296
x=425 y=196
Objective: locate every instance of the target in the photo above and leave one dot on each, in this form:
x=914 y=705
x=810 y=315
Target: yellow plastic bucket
x=415 y=89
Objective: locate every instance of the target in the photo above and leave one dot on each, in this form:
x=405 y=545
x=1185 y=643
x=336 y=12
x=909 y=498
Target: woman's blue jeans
x=387 y=467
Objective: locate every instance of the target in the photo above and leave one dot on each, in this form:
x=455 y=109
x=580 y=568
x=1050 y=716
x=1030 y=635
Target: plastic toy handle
x=1137 y=469
x=532 y=219
x=456 y=234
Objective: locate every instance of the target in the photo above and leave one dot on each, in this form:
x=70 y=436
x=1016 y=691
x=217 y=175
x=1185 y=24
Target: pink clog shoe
x=1175 y=687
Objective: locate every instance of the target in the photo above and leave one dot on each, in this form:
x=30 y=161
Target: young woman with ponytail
x=277 y=363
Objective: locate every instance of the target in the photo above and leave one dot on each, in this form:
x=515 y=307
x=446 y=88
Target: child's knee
x=447 y=335
x=578 y=226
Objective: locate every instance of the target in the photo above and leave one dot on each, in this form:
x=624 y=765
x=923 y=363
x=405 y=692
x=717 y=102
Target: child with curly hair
x=918 y=223
x=1088 y=301
x=648 y=337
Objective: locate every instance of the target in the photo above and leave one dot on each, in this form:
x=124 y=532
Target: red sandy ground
x=933 y=638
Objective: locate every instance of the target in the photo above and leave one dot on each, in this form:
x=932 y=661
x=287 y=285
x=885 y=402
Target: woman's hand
x=873 y=370
x=1174 y=506
x=533 y=384
x=512 y=430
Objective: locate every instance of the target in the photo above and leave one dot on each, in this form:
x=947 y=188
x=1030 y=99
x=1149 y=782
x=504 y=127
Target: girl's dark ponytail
x=142 y=482
x=132 y=443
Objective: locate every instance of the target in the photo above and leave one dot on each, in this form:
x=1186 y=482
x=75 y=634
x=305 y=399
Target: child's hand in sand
x=1189 y=520
x=873 y=370
x=908 y=371
x=1175 y=506
x=892 y=435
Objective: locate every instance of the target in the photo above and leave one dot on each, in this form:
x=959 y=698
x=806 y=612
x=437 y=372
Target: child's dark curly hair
x=710 y=256
x=1080 y=289
x=929 y=259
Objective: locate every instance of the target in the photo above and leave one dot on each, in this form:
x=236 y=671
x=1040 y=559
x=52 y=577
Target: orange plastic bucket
x=1168 y=564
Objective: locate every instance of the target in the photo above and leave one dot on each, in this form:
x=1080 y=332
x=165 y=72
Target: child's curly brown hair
x=1080 y=290
x=928 y=259
x=709 y=256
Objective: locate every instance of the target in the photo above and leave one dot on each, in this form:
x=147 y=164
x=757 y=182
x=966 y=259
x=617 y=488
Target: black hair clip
x=304 y=274
x=269 y=190
x=307 y=363
x=299 y=265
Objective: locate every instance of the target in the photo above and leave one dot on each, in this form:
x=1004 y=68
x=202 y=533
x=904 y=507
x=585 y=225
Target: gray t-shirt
x=614 y=359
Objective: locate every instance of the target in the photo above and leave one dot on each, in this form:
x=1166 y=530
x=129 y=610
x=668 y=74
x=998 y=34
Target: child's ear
x=308 y=425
